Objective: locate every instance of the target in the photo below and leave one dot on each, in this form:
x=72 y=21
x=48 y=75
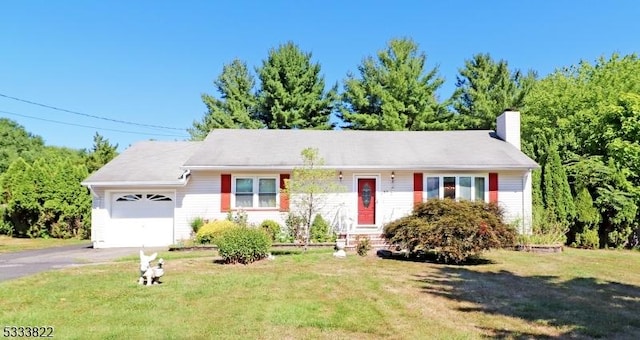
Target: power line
x=89 y=115
x=93 y=127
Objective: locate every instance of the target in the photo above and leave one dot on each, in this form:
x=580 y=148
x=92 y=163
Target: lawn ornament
x=150 y=275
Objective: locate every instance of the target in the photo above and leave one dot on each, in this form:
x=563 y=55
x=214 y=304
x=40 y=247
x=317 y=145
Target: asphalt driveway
x=19 y=264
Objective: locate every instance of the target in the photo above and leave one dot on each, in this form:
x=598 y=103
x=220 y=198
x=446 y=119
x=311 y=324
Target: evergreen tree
x=292 y=92
x=101 y=153
x=394 y=92
x=236 y=107
x=557 y=192
x=485 y=88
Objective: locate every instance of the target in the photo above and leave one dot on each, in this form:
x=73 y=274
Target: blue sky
x=148 y=62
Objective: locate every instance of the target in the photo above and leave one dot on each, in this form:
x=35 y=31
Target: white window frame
x=256 y=194
x=457 y=177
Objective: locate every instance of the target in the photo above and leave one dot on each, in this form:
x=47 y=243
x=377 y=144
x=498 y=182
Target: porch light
x=393 y=176
x=340 y=176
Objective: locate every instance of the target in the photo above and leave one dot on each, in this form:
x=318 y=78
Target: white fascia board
x=136 y=184
x=365 y=167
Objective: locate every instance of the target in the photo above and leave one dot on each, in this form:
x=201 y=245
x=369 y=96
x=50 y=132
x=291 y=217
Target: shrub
x=320 y=230
x=243 y=245
x=454 y=230
x=363 y=245
x=196 y=224
x=210 y=231
x=588 y=238
x=272 y=228
x=295 y=227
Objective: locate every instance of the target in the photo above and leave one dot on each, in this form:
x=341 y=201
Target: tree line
x=581 y=123
x=40 y=191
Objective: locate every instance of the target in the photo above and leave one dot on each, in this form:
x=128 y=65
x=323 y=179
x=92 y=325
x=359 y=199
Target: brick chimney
x=508 y=127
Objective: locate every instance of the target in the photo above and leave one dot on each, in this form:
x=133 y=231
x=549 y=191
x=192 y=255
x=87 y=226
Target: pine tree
x=292 y=92
x=394 y=92
x=485 y=88
x=101 y=153
x=236 y=107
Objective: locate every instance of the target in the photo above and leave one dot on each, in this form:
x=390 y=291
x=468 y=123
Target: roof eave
x=365 y=167
x=179 y=183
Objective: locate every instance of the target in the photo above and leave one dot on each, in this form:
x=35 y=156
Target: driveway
x=18 y=264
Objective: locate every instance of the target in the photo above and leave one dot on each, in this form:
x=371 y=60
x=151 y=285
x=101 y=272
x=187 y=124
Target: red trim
x=284 y=198
x=493 y=187
x=417 y=188
x=225 y=193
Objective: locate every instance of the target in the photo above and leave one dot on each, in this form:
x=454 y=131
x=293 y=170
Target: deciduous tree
x=309 y=188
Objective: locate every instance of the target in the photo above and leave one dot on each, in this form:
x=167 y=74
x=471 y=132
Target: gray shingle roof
x=157 y=162
x=416 y=150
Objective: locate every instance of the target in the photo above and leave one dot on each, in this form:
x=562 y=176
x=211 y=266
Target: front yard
x=577 y=293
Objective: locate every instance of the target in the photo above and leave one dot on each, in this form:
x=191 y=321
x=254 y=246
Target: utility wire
x=88 y=115
x=93 y=127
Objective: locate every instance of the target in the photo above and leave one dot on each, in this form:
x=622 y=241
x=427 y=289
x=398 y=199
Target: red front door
x=366 y=201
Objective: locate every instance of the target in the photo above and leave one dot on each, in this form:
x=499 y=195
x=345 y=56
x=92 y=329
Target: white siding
x=99 y=216
x=199 y=198
x=511 y=197
x=393 y=200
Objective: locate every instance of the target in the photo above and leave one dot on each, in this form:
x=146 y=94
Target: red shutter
x=284 y=198
x=493 y=187
x=225 y=193
x=417 y=188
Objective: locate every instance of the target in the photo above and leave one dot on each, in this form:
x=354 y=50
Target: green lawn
x=577 y=293
x=13 y=244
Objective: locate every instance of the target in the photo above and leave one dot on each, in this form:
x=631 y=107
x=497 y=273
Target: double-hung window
x=255 y=192
x=457 y=187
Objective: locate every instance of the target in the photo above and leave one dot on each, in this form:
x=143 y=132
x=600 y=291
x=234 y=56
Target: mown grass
x=13 y=244
x=577 y=293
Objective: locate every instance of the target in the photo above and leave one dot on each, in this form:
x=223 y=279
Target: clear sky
x=148 y=62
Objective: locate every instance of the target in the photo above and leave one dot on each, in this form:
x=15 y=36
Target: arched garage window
x=139 y=197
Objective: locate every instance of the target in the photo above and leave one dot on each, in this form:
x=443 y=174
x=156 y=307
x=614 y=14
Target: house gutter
x=365 y=167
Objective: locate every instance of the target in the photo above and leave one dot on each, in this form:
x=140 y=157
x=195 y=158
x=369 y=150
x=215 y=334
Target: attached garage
x=140 y=219
x=134 y=195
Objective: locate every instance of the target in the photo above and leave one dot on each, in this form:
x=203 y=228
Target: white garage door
x=140 y=219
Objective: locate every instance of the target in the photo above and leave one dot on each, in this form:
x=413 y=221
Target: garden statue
x=150 y=274
x=341 y=243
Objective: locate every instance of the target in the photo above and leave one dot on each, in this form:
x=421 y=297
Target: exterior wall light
x=340 y=176
x=393 y=176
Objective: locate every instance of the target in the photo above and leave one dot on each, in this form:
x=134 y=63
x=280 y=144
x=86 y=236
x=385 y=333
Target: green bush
x=454 y=230
x=363 y=245
x=5 y=226
x=295 y=227
x=588 y=238
x=272 y=228
x=210 y=231
x=196 y=224
x=243 y=245
x=320 y=230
